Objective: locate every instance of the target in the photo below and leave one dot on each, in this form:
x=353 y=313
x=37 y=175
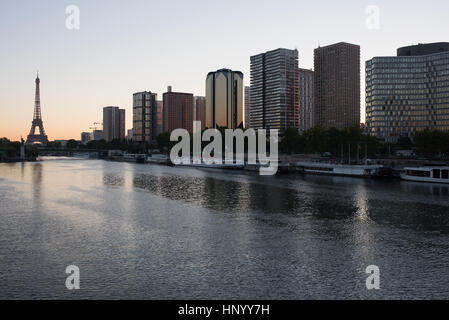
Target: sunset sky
x=124 y=47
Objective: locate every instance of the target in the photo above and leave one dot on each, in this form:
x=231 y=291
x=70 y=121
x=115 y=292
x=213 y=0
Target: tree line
x=333 y=141
x=432 y=143
x=11 y=149
x=352 y=141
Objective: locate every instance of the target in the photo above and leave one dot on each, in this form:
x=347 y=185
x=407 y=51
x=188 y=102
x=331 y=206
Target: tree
x=72 y=144
x=117 y=144
x=163 y=141
x=290 y=141
x=11 y=149
x=31 y=151
x=404 y=143
x=335 y=140
x=432 y=143
x=315 y=139
x=373 y=145
x=98 y=145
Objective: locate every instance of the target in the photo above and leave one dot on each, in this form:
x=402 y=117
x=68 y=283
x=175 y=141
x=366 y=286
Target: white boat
x=339 y=169
x=426 y=174
x=159 y=159
x=201 y=163
x=282 y=167
x=212 y=165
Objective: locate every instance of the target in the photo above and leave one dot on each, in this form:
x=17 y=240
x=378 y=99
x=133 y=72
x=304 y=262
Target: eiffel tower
x=37 y=120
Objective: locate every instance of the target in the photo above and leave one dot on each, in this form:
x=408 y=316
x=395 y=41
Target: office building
x=97 y=135
x=274 y=99
x=144 y=117
x=408 y=92
x=306 y=99
x=200 y=110
x=337 y=86
x=224 y=99
x=177 y=110
x=247 y=107
x=113 y=123
x=86 y=137
x=129 y=136
x=159 y=118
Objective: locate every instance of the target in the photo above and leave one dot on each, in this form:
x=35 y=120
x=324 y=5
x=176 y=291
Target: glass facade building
x=224 y=99
x=274 y=90
x=409 y=92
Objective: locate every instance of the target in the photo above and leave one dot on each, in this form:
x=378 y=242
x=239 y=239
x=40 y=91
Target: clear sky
x=127 y=46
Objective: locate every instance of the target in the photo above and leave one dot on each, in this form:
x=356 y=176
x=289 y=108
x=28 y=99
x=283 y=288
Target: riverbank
x=304 y=164
x=18 y=159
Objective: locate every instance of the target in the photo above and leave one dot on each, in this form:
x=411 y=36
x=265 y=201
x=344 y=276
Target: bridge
x=64 y=152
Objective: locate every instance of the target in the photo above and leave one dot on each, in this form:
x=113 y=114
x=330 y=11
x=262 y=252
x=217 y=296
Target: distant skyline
x=126 y=47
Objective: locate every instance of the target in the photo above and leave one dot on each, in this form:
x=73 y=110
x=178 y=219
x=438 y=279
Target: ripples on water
x=148 y=231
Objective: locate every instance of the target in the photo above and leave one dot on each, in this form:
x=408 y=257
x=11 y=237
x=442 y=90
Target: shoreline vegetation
x=10 y=151
x=337 y=145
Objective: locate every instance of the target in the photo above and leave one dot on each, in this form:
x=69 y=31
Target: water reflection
x=37 y=183
x=22 y=170
x=361 y=202
x=323 y=197
x=426 y=188
x=113 y=179
x=220 y=194
x=147 y=232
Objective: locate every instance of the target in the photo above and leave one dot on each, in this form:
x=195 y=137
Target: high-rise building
x=200 y=110
x=113 y=123
x=408 y=92
x=144 y=117
x=159 y=118
x=86 y=137
x=129 y=136
x=122 y=125
x=224 y=99
x=337 y=86
x=97 y=135
x=177 y=110
x=247 y=107
x=306 y=97
x=274 y=90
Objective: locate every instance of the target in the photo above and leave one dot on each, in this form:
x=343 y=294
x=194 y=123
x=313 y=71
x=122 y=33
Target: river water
x=156 y=232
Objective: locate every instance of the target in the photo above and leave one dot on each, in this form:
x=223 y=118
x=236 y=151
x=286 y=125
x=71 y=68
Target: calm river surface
x=156 y=232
